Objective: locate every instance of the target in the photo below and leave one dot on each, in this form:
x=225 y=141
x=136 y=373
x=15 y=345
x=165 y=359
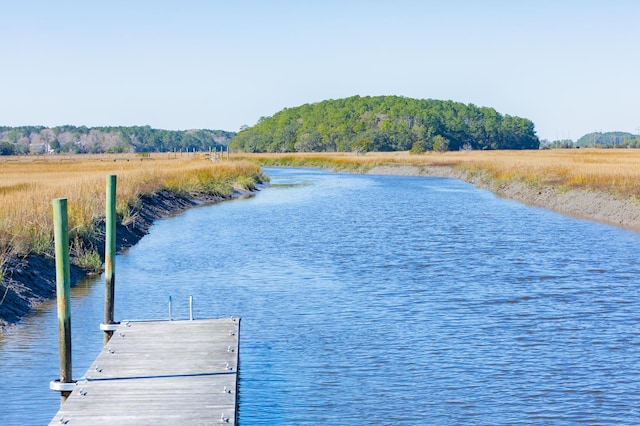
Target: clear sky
x=572 y=67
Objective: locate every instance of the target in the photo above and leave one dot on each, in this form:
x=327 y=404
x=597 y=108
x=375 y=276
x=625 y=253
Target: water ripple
x=392 y=300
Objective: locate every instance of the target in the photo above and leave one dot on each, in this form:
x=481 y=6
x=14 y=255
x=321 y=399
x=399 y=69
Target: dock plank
x=160 y=372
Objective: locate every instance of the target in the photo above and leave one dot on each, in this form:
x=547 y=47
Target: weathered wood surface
x=160 y=373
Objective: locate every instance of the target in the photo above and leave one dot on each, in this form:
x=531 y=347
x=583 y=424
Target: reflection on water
x=29 y=356
x=378 y=300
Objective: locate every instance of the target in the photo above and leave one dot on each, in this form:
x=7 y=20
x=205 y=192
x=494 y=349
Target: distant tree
x=564 y=143
x=55 y=146
x=7 y=148
x=440 y=144
x=417 y=148
x=362 y=146
x=13 y=136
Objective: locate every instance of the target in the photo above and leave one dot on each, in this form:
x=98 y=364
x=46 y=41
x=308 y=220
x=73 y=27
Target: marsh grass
x=27 y=189
x=615 y=171
x=612 y=171
x=85 y=256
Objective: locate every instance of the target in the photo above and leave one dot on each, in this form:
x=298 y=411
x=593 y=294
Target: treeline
x=72 y=139
x=386 y=123
x=596 y=140
x=609 y=140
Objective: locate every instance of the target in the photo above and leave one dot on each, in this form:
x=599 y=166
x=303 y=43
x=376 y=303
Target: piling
x=63 y=291
x=110 y=259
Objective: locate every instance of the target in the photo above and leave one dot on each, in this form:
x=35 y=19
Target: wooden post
x=63 y=290
x=110 y=257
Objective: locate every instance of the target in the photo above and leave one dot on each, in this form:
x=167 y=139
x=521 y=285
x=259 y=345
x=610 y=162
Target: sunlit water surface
x=377 y=300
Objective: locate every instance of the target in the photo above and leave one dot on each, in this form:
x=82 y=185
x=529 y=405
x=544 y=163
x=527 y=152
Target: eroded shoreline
x=31 y=280
x=591 y=205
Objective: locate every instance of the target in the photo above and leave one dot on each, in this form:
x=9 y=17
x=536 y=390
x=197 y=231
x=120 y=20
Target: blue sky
x=572 y=67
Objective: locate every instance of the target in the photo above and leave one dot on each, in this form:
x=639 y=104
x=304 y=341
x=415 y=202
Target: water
x=378 y=300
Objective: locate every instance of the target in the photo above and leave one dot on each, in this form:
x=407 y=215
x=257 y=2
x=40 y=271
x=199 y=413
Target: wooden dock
x=160 y=373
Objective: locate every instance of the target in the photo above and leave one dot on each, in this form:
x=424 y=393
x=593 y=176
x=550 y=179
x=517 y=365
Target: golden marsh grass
x=28 y=187
x=615 y=171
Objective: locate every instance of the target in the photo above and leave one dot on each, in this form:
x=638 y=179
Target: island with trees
x=596 y=140
x=386 y=123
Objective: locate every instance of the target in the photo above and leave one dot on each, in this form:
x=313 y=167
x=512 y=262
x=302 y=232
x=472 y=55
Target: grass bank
x=147 y=190
x=595 y=184
x=27 y=188
x=614 y=171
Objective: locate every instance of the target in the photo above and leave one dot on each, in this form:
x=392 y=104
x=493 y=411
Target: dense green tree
x=389 y=123
x=440 y=144
x=7 y=148
x=362 y=146
x=417 y=148
x=55 y=145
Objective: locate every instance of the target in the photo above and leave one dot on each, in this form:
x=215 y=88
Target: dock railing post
x=108 y=325
x=63 y=290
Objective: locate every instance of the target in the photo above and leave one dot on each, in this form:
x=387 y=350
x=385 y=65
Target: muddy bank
x=31 y=280
x=592 y=205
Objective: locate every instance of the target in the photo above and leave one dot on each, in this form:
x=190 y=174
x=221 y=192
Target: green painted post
x=63 y=290
x=110 y=256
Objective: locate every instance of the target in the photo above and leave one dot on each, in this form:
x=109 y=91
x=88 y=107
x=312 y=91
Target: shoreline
x=584 y=204
x=31 y=280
